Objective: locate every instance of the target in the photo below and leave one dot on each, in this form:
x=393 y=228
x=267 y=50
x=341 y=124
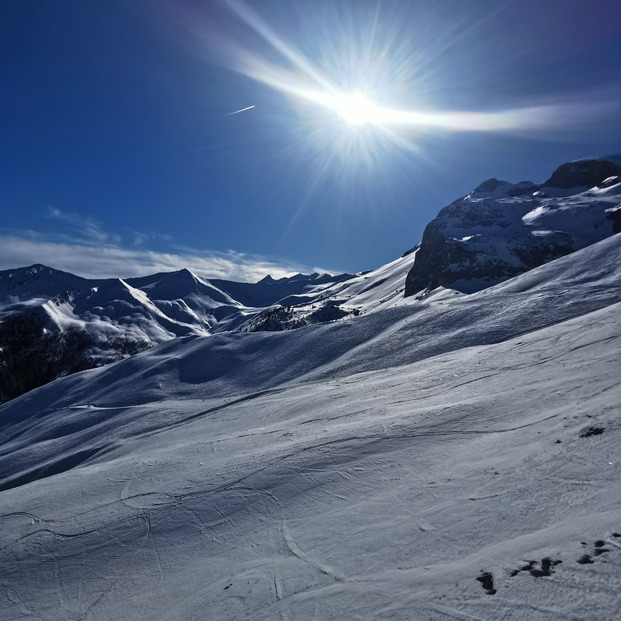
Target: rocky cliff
x=502 y=229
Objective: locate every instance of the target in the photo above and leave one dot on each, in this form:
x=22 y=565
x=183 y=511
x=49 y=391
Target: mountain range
x=497 y=231
x=433 y=439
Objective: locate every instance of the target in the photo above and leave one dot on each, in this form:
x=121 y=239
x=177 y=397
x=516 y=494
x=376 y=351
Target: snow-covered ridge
x=497 y=231
x=53 y=322
x=436 y=456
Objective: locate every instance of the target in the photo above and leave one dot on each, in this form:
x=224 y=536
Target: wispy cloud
x=139 y=238
x=93 y=261
x=80 y=244
x=86 y=229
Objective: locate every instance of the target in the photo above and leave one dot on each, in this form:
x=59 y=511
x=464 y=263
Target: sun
x=357 y=109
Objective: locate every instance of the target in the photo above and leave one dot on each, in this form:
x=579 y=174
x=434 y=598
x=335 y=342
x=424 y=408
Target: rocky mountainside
x=502 y=229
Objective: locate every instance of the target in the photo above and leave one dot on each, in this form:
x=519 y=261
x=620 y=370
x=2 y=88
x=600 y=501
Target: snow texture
x=449 y=457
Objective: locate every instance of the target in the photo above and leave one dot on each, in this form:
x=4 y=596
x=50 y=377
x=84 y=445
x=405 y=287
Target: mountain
x=437 y=439
x=434 y=457
x=53 y=323
x=502 y=229
x=285 y=291
x=36 y=282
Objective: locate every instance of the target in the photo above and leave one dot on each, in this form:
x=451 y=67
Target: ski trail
x=300 y=554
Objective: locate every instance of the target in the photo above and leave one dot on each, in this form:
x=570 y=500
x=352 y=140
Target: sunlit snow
x=387 y=467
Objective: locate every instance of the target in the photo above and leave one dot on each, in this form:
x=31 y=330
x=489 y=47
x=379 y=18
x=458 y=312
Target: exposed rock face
x=501 y=229
x=34 y=351
x=587 y=173
x=279 y=318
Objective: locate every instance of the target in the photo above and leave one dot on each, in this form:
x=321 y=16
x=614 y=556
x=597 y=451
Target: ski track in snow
x=413 y=450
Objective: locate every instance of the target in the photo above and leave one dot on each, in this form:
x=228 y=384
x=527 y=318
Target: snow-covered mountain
x=444 y=456
x=285 y=291
x=54 y=323
x=502 y=229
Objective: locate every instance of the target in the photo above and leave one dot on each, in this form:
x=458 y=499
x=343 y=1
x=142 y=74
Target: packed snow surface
x=451 y=457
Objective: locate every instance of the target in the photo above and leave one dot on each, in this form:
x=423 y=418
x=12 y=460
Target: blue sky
x=120 y=155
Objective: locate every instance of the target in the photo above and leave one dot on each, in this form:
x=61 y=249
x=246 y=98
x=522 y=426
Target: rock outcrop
x=585 y=173
x=502 y=229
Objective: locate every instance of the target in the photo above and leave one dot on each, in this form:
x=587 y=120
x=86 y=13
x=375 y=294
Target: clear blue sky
x=118 y=142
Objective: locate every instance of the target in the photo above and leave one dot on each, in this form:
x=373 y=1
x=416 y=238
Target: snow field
x=367 y=469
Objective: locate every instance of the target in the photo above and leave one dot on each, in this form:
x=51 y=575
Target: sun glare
x=356 y=109
x=389 y=91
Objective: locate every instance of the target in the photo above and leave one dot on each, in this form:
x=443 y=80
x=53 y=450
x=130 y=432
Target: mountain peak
x=490 y=185
x=183 y=275
x=582 y=173
x=37 y=269
x=503 y=229
x=497 y=188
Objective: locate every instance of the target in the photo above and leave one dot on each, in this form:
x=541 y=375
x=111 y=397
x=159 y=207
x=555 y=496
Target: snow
x=369 y=468
x=553 y=192
x=135 y=313
x=36 y=281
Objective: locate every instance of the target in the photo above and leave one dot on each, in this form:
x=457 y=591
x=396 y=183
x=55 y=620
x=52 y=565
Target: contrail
x=238 y=111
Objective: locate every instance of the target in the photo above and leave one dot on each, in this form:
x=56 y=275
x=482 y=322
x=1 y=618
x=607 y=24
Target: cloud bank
x=93 y=261
x=80 y=244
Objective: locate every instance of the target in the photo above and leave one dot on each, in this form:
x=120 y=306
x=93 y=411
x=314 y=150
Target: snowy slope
x=371 y=468
x=363 y=293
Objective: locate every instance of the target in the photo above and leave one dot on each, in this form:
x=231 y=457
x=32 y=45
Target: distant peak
x=184 y=275
x=490 y=185
x=497 y=188
x=39 y=268
x=267 y=280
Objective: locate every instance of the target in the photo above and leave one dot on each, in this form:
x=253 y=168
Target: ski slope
x=371 y=468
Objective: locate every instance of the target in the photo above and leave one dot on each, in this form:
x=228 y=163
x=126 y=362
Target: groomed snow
x=370 y=468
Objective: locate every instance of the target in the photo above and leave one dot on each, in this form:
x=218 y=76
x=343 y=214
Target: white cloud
x=79 y=244
x=93 y=261
x=87 y=229
x=138 y=238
